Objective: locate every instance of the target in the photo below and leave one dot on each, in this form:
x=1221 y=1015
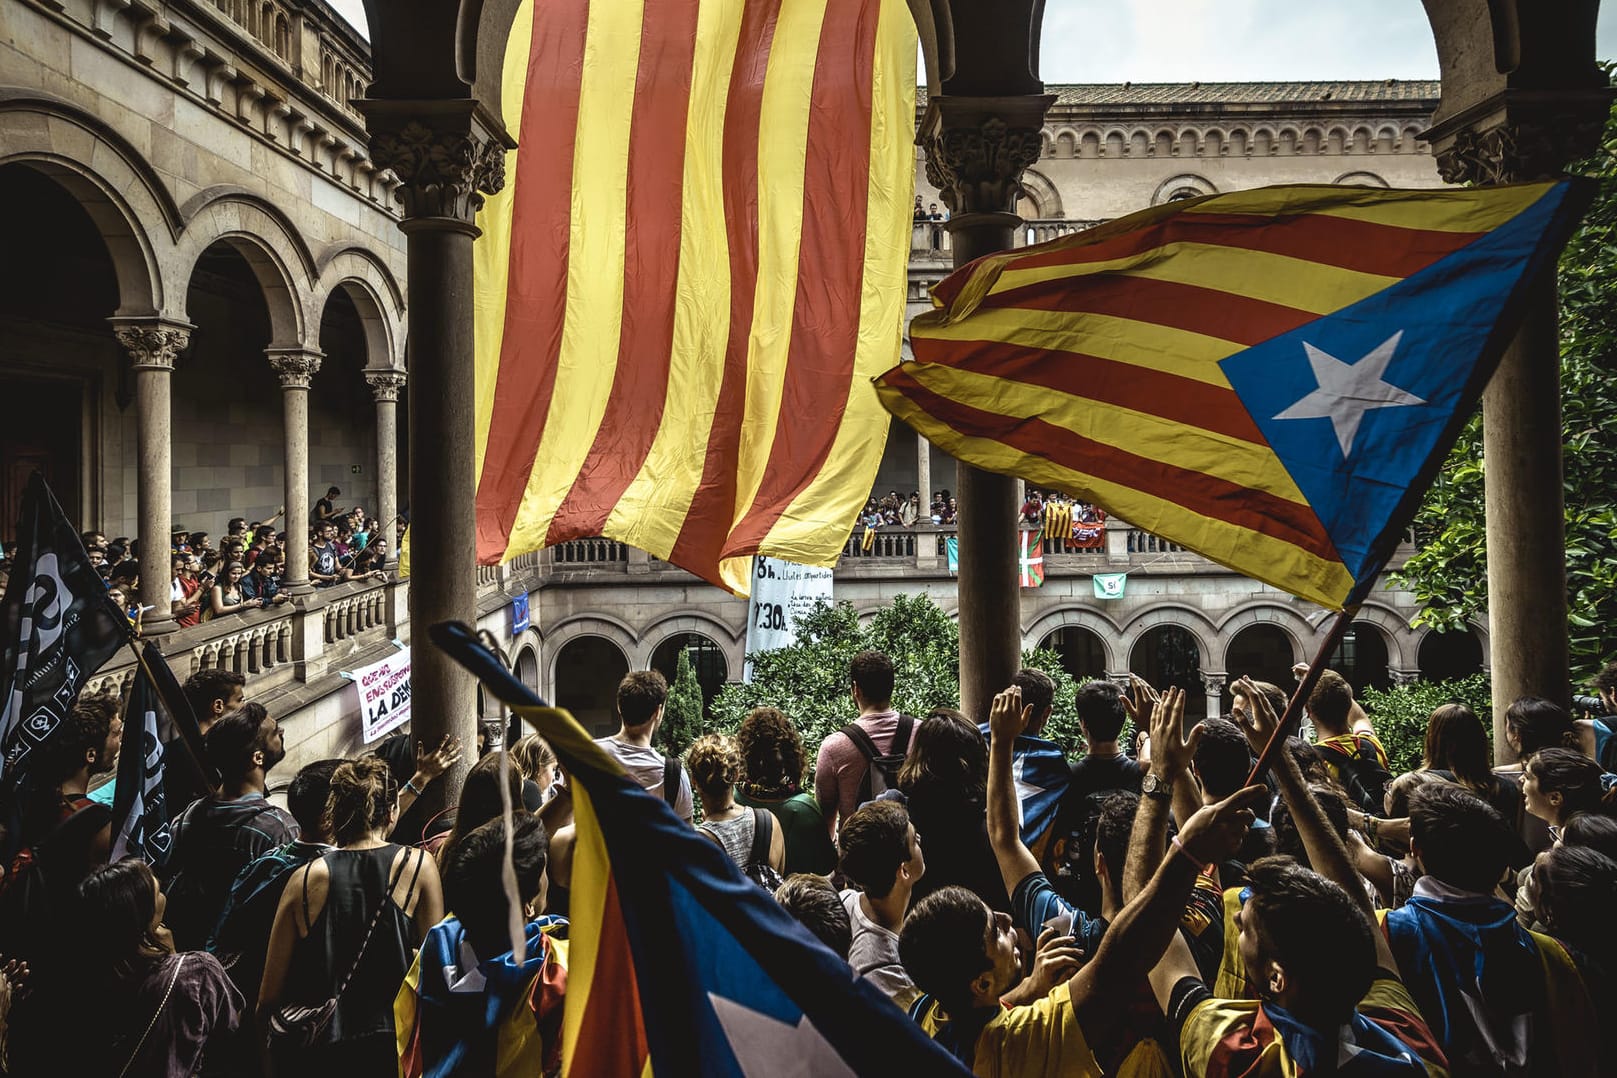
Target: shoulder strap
x=162 y=1003
x=308 y=868
x=671 y=776
x=421 y=855
x=861 y=740
x=901 y=736
x=762 y=832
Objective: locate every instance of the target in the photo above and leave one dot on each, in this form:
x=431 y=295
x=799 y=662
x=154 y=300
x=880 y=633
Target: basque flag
x=678 y=964
x=57 y=624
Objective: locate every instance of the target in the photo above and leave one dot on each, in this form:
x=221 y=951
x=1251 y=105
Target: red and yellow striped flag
x=696 y=267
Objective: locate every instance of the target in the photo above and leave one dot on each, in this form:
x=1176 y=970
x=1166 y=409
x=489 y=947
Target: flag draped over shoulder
x=160 y=731
x=696 y=266
x=677 y=963
x=1267 y=377
x=56 y=623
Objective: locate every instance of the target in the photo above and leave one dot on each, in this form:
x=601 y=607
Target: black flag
x=160 y=731
x=56 y=623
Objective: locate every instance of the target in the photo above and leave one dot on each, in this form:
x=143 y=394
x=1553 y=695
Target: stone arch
x=279 y=257
x=1312 y=141
x=1362 y=140
x=1288 y=141
x=1338 y=141
x=376 y=296
x=1198 y=624
x=1361 y=178
x=1067 y=143
x=124 y=197
x=1410 y=141
x=688 y=620
x=1266 y=612
x=1395 y=633
x=1163 y=143
x=1037 y=187
x=606 y=626
x=1078 y=617
x=1139 y=143
x=590 y=697
x=1240 y=142
x=1089 y=144
x=1117 y=143
x=1214 y=143
x=1263 y=142
x=1387 y=139
x=1184 y=185
x=1189 y=143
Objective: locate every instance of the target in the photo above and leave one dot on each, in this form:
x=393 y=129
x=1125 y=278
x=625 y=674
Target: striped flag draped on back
x=695 y=269
x=1267 y=377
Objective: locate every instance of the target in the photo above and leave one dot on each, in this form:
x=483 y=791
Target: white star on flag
x=1024 y=789
x=1348 y=390
x=766 y=1047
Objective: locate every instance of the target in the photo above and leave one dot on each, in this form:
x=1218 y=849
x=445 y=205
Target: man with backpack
x=641 y=696
x=860 y=762
x=1349 y=744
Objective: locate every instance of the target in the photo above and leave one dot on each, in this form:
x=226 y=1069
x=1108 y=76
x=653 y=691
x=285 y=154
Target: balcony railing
x=929 y=240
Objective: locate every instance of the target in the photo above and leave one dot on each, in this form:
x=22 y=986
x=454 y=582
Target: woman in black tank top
x=348 y=927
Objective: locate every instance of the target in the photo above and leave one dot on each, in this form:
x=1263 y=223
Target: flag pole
x=1294 y=708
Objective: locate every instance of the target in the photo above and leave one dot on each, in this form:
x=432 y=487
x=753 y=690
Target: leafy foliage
x=809 y=679
x=1400 y=713
x=1448 y=574
x=682 y=715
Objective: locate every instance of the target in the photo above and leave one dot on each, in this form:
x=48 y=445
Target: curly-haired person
x=773 y=768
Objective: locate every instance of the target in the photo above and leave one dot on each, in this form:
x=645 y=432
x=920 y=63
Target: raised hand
x=1057 y=959
x=1216 y=831
x=1007 y=718
x=1140 y=700
x=429 y=765
x=1171 y=750
x=1258 y=719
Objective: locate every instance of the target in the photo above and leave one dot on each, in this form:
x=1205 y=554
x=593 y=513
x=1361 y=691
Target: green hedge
x=1400 y=713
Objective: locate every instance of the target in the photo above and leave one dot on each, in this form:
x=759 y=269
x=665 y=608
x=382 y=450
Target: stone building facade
x=202 y=316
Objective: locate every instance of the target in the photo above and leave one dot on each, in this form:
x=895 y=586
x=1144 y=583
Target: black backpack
x=881 y=772
x=1360 y=774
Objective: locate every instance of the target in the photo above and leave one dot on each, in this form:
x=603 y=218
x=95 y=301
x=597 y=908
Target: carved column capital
x=294 y=366
x=385 y=385
x=1517 y=136
x=445 y=164
x=153 y=343
x=1403 y=677
x=1213 y=684
x=977 y=147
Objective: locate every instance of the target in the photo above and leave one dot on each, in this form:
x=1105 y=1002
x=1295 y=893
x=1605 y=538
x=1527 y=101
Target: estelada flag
x=677 y=963
x=696 y=267
x=1269 y=378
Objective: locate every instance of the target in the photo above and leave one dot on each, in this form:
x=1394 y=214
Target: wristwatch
x=1151 y=786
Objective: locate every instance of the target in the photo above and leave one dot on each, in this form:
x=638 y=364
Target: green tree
x=682 y=715
x=1448 y=574
x=1400 y=714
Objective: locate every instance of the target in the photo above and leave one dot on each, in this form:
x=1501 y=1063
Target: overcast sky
x=1227 y=40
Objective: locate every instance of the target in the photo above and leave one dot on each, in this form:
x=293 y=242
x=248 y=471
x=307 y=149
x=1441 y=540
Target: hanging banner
x=384 y=694
x=1110 y=585
x=781 y=592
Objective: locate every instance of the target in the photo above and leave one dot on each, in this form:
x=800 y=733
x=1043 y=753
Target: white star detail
x=1024 y=789
x=1348 y=390
x=766 y=1046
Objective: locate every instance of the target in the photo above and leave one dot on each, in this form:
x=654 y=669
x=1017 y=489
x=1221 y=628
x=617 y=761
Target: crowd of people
x=1169 y=913
x=245 y=570
x=894 y=510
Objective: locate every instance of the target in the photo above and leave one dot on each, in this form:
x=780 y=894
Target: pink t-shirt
x=840 y=767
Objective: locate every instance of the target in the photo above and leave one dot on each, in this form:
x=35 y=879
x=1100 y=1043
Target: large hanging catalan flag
x=677 y=963
x=1268 y=377
x=696 y=267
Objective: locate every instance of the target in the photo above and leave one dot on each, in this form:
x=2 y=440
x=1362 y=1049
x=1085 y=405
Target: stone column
x=385 y=386
x=1403 y=677
x=296 y=367
x=154 y=344
x=445 y=162
x=1508 y=139
x=923 y=475
x=1213 y=686
x=976 y=149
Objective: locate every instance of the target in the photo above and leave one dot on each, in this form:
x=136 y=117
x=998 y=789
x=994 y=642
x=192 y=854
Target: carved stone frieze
x=153 y=345
x=295 y=366
x=1513 y=153
x=385 y=385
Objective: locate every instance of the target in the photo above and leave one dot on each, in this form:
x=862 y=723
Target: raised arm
x=1327 y=853
x=1006 y=721
x=1171 y=753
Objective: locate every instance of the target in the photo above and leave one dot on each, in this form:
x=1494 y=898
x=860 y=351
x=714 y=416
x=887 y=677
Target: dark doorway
x=1455 y=654
x=706 y=656
x=1167 y=655
x=588 y=670
x=1361 y=657
x=1083 y=654
x=41 y=429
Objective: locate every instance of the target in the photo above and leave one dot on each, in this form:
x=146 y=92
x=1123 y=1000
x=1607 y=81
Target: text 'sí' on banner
x=384 y=694
x=782 y=591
